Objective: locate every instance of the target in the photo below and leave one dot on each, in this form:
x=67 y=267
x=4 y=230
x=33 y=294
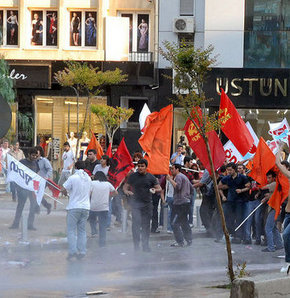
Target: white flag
x=279 y=130
x=232 y=153
x=143 y=115
x=25 y=178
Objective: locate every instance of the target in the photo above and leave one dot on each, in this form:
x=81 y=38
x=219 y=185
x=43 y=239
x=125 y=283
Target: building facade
x=251 y=39
x=36 y=37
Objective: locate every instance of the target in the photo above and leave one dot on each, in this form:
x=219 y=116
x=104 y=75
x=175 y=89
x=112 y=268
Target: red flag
x=280 y=193
x=156 y=140
x=54 y=188
x=234 y=127
x=109 y=151
x=121 y=164
x=94 y=144
x=198 y=145
x=264 y=160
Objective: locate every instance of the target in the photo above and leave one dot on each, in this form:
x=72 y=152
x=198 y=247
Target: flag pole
x=249 y=216
x=53 y=198
x=53 y=185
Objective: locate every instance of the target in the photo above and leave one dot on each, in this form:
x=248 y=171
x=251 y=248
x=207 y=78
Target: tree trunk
x=221 y=212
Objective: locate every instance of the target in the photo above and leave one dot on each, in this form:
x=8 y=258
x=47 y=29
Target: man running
x=143 y=185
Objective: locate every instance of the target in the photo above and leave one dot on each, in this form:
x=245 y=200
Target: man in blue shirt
x=178 y=156
x=235 y=205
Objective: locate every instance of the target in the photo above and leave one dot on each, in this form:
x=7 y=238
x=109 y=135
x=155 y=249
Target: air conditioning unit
x=183 y=25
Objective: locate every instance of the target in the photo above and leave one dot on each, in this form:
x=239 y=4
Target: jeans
x=102 y=219
x=76 y=230
x=250 y=206
x=169 y=201
x=155 y=200
x=109 y=218
x=272 y=233
x=286 y=237
x=206 y=211
x=22 y=197
x=235 y=213
x=180 y=224
x=117 y=208
x=191 y=210
x=13 y=188
x=141 y=217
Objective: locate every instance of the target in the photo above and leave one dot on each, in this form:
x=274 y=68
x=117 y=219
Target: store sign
x=30 y=76
x=251 y=87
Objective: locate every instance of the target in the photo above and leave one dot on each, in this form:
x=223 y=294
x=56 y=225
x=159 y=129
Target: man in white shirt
x=4 y=150
x=68 y=161
x=79 y=188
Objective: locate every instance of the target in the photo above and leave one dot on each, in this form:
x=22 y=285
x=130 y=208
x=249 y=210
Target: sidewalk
x=51 y=229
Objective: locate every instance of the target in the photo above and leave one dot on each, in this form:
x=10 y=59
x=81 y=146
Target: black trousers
x=141 y=217
x=180 y=224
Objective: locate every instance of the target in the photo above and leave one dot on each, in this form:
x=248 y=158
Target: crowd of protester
x=92 y=198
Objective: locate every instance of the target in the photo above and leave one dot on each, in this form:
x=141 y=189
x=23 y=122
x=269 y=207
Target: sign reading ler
x=30 y=76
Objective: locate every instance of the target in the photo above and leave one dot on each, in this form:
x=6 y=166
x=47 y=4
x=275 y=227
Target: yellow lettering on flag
x=224 y=115
x=192 y=131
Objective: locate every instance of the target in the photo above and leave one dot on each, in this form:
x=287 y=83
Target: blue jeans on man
x=169 y=201
x=235 y=213
x=102 y=219
x=250 y=206
x=76 y=231
x=286 y=237
x=274 y=239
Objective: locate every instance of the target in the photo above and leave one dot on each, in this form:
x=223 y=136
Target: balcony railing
x=141 y=56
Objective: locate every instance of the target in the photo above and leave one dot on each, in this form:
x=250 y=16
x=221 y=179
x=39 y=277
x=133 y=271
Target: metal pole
x=124 y=220
x=24 y=226
x=248 y=216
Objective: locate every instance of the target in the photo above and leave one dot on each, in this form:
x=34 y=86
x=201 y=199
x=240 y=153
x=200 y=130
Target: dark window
x=267 y=33
x=186 y=7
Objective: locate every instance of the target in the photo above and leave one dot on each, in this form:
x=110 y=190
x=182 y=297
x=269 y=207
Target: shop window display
x=43 y=28
x=138 y=31
x=83 y=28
x=9 y=27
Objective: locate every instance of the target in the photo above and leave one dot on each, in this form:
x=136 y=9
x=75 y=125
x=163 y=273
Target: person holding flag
x=143 y=185
x=23 y=194
x=286 y=232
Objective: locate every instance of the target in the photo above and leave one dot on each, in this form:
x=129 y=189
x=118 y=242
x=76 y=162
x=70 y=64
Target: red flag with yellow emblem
x=198 y=145
x=234 y=127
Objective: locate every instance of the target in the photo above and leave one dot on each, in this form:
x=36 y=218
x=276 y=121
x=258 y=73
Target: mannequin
x=73 y=142
x=84 y=142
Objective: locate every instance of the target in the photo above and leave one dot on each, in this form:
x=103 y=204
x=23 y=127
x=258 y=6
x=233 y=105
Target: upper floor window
x=9 y=27
x=83 y=28
x=43 y=28
x=267 y=33
x=138 y=31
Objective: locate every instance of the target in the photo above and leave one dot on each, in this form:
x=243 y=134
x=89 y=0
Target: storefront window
x=83 y=28
x=43 y=28
x=138 y=31
x=56 y=118
x=267 y=33
x=9 y=27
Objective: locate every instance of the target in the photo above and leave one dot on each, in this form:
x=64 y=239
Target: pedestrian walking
x=183 y=191
x=143 y=184
x=78 y=186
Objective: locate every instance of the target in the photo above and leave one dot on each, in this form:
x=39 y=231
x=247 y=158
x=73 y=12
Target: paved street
x=40 y=269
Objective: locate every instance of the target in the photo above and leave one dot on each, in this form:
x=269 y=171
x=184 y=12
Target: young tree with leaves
x=111 y=118
x=87 y=80
x=191 y=67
